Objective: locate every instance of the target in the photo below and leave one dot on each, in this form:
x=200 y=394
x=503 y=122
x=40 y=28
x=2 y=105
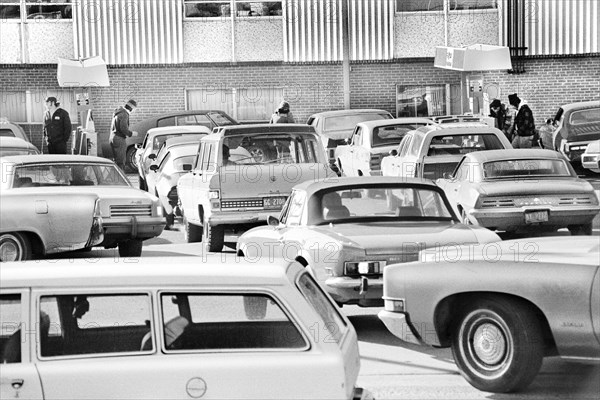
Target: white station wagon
x=172 y=329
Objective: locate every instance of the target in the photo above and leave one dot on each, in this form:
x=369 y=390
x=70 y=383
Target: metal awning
x=477 y=57
x=82 y=73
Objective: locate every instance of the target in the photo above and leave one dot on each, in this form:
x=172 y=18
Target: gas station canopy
x=477 y=57
x=82 y=73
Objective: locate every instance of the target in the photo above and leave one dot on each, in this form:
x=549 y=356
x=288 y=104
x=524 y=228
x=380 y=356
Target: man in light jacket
x=119 y=132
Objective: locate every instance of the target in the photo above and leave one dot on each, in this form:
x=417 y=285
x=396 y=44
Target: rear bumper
x=125 y=228
x=241 y=217
x=363 y=291
x=513 y=218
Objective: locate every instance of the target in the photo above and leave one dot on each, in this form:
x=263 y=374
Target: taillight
x=375 y=162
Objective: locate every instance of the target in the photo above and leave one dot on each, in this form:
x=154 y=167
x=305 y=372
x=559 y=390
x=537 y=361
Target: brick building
x=244 y=57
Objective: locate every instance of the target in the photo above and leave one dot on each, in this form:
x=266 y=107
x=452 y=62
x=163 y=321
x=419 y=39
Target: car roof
x=395 y=121
x=264 y=128
x=512 y=154
x=581 y=105
x=52 y=158
x=349 y=112
x=143 y=273
x=9 y=141
x=182 y=140
x=165 y=130
x=182 y=113
x=313 y=186
x=458 y=128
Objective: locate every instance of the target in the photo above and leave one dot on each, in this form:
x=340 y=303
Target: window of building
x=227 y=322
x=28 y=106
x=427 y=101
x=212 y=8
x=472 y=4
x=46 y=9
x=243 y=104
x=419 y=5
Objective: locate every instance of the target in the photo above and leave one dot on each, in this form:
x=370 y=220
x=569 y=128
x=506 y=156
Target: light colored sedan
x=129 y=215
x=346 y=230
x=431 y=151
x=172 y=328
x=371 y=141
x=591 y=158
x=155 y=138
x=521 y=190
x=174 y=159
x=501 y=307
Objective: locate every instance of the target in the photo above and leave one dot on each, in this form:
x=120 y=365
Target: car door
x=18 y=375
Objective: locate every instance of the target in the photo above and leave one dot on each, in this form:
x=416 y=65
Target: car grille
x=256 y=203
x=131 y=210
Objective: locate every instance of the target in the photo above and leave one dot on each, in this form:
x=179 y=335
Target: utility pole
x=345 y=54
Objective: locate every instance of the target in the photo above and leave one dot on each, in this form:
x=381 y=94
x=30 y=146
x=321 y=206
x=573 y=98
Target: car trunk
x=519 y=186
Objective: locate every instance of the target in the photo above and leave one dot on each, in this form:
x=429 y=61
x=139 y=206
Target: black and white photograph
x=300 y=199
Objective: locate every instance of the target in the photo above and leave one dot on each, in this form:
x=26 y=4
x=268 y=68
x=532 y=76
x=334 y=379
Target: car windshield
x=271 y=149
x=525 y=167
x=348 y=122
x=220 y=119
x=392 y=135
x=448 y=145
x=381 y=203
x=581 y=117
x=68 y=174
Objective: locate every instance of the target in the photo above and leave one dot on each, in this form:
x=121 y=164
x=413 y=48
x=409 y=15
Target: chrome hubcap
x=9 y=251
x=489 y=343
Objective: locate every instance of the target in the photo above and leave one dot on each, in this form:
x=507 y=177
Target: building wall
x=547 y=83
x=10 y=43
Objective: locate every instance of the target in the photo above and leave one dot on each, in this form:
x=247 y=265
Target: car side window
x=406 y=146
x=231 y=321
x=206 y=156
x=296 y=206
x=88 y=324
x=169 y=121
x=199 y=156
x=357 y=136
x=7 y=133
x=10 y=328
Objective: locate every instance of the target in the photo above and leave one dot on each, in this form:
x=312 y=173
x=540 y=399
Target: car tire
x=578 y=230
x=214 y=237
x=193 y=233
x=131 y=248
x=169 y=218
x=142 y=183
x=498 y=344
x=130 y=161
x=14 y=247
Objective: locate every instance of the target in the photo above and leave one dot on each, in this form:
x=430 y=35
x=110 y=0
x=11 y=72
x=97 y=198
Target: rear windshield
x=61 y=174
x=392 y=135
x=348 y=122
x=525 y=167
x=462 y=144
x=16 y=152
x=335 y=327
x=271 y=149
x=585 y=116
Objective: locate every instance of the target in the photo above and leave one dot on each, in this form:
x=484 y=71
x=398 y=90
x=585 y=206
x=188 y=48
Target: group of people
x=517 y=123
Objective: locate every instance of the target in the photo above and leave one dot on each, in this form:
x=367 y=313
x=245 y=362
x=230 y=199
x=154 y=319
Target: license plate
x=536 y=216
x=273 y=203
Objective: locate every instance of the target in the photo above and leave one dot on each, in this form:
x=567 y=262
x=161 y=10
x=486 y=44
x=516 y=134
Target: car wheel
x=170 y=219
x=14 y=247
x=142 y=183
x=214 y=237
x=498 y=345
x=193 y=233
x=130 y=248
x=578 y=230
x=130 y=161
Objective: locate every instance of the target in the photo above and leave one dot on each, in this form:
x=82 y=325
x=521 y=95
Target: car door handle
x=17 y=383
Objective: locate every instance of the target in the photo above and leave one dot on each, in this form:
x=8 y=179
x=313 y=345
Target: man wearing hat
x=524 y=123
x=57 y=127
x=119 y=132
x=498 y=112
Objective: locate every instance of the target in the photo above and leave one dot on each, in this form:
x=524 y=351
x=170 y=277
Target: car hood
x=393 y=237
x=514 y=186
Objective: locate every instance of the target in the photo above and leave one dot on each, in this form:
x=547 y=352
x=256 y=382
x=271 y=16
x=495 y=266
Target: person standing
x=524 y=124
x=119 y=132
x=498 y=112
x=57 y=127
x=283 y=115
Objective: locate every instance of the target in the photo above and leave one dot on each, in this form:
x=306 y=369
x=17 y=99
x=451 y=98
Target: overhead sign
x=82 y=73
x=477 y=57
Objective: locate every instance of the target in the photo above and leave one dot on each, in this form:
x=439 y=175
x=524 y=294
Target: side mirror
x=154 y=167
x=138 y=145
x=448 y=175
x=152 y=156
x=186 y=167
x=394 y=152
x=273 y=221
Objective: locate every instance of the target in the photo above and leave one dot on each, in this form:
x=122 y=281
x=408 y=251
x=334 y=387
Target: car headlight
x=213 y=194
x=363 y=267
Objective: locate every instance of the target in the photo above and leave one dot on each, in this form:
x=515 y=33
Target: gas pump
x=86 y=138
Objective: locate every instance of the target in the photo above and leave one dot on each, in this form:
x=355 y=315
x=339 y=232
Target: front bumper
x=126 y=228
x=398 y=325
x=514 y=218
x=364 y=291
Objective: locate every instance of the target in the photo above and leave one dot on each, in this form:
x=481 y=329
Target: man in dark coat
x=119 y=132
x=524 y=124
x=57 y=127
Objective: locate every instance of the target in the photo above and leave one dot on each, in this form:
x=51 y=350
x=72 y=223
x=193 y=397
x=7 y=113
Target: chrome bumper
x=398 y=325
x=515 y=217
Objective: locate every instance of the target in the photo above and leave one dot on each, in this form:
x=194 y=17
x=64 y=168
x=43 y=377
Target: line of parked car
x=419 y=240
